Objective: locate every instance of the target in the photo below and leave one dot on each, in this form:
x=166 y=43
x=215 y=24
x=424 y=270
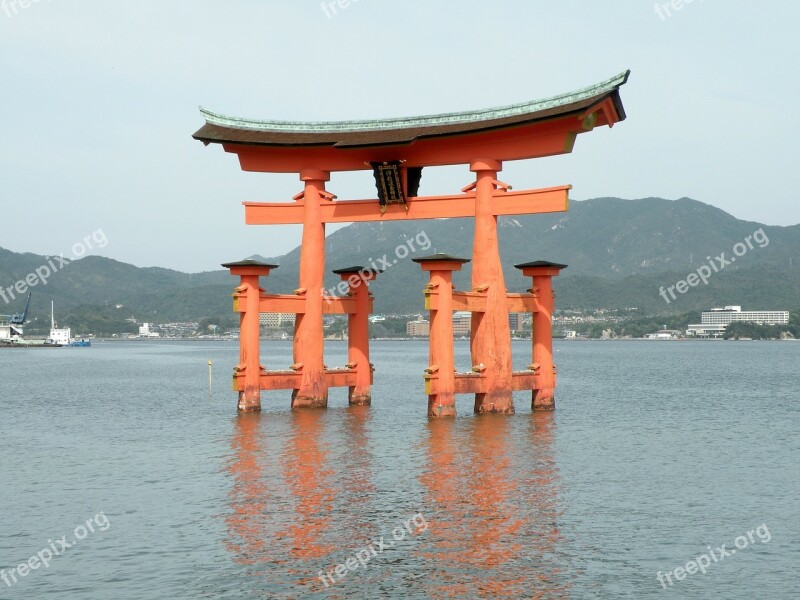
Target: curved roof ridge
x=490 y=114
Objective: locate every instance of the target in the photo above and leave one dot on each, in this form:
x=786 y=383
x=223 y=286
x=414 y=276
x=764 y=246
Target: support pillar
x=358 y=333
x=490 y=337
x=246 y=300
x=542 y=273
x=440 y=378
x=308 y=334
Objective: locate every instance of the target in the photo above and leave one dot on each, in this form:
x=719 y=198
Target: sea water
x=659 y=453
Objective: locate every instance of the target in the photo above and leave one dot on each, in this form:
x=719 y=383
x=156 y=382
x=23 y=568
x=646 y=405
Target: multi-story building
x=462 y=323
x=729 y=314
x=714 y=321
x=420 y=327
x=516 y=321
x=276 y=320
x=144 y=331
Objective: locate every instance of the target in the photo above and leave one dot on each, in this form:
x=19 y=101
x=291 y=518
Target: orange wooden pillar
x=542 y=273
x=358 y=332
x=308 y=333
x=440 y=380
x=246 y=300
x=490 y=339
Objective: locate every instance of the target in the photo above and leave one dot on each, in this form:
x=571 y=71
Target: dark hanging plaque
x=387 y=179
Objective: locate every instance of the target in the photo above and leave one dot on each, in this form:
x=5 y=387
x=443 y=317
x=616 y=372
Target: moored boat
x=63 y=336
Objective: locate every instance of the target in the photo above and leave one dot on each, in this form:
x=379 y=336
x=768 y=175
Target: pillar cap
x=540 y=263
x=440 y=257
x=249 y=268
x=249 y=262
x=441 y=262
x=357 y=269
x=485 y=164
x=315 y=175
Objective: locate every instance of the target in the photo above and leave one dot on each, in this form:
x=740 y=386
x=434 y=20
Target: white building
x=729 y=314
x=701 y=330
x=144 y=331
x=10 y=332
x=714 y=321
x=663 y=334
x=276 y=320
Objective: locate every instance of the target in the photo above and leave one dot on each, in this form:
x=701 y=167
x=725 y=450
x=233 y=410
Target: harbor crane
x=18 y=318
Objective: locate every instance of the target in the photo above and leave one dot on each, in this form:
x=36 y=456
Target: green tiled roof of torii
x=223 y=129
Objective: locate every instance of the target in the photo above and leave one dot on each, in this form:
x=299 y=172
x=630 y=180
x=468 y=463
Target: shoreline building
x=276 y=320
x=663 y=334
x=462 y=323
x=516 y=321
x=715 y=321
x=145 y=332
x=419 y=328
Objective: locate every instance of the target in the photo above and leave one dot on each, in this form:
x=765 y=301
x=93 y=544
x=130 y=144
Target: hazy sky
x=99 y=100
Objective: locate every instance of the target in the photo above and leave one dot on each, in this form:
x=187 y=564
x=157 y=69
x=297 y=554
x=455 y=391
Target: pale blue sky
x=99 y=100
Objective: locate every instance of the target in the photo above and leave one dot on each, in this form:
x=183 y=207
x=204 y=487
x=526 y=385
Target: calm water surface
x=656 y=451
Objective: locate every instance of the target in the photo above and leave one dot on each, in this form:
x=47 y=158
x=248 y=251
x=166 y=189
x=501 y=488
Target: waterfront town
x=567 y=324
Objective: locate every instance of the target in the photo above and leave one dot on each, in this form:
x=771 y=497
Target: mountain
x=115 y=290
x=620 y=253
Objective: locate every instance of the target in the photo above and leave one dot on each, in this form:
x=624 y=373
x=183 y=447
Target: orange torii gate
x=442 y=381
x=397 y=150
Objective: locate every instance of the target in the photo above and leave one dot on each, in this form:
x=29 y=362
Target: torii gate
x=397 y=150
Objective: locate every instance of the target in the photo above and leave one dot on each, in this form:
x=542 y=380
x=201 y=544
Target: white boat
x=63 y=336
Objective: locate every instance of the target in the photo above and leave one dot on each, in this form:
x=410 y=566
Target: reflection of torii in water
x=495 y=511
x=395 y=182
x=262 y=533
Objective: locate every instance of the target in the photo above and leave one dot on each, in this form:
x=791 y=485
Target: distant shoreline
x=417 y=339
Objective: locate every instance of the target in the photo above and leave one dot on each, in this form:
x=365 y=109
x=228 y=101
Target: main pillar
x=246 y=301
x=542 y=273
x=308 y=333
x=440 y=381
x=358 y=333
x=490 y=339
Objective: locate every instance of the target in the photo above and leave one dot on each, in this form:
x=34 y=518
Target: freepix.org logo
x=58 y=547
x=702 y=562
x=42 y=274
x=714 y=265
x=13 y=7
